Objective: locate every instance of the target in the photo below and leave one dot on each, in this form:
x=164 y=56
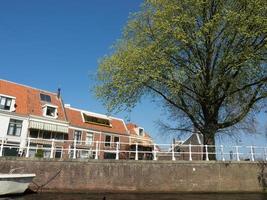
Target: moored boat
x=14 y=183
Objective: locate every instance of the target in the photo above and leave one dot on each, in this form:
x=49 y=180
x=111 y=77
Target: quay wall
x=142 y=176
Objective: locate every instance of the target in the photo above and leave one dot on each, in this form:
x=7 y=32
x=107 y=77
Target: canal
x=101 y=196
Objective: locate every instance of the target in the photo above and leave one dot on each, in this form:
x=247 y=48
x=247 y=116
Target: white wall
x=4 y=123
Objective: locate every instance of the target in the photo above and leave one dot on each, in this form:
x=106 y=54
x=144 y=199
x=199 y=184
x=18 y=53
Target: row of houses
x=27 y=112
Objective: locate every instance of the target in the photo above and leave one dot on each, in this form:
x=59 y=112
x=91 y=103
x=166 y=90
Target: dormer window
x=96 y=120
x=50 y=111
x=7 y=103
x=141 y=132
x=45 y=97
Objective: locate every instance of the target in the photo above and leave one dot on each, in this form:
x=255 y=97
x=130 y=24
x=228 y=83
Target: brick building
x=29 y=112
x=96 y=131
x=35 y=119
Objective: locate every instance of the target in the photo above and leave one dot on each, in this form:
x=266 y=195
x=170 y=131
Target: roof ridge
x=27 y=86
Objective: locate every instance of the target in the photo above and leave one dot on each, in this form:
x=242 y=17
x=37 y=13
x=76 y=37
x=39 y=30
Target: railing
x=72 y=149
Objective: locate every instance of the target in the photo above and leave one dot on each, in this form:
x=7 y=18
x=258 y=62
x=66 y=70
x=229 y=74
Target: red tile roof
x=131 y=128
x=75 y=118
x=28 y=100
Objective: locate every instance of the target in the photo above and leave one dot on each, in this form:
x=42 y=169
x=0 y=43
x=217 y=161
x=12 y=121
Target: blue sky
x=50 y=44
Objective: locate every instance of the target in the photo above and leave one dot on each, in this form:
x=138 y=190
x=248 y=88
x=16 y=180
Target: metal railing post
x=96 y=150
x=136 y=151
x=28 y=148
x=2 y=147
x=69 y=151
x=207 y=153
x=222 y=153
x=190 y=152
x=117 y=150
x=52 y=148
x=74 y=149
x=173 y=156
x=237 y=154
x=154 y=153
x=252 y=153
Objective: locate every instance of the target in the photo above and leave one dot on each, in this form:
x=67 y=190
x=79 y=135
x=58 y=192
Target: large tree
x=206 y=59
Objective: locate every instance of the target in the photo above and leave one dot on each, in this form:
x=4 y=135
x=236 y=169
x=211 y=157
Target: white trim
x=45 y=107
x=83 y=129
x=188 y=137
x=141 y=128
x=198 y=139
x=95 y=114
x=12 y=115
x=45 y=119
x=125 y=126
x=50 y=122
x=50 y=105
x=110 y=142
x=82 y=117
x=12 y=103
x=4 y=95
x=93 y=137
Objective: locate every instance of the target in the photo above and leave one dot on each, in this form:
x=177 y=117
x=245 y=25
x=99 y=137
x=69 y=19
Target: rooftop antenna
x=59 y=91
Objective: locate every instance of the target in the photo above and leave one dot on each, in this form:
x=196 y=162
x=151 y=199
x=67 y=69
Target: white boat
x=14 y=183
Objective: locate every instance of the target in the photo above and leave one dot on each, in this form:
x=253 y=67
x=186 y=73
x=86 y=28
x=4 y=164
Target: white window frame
x=15 y=123
x=86 y=141
x=117 y=137
x=45 y=111
x=12 y=104
x=143 y=132
x=74 y=136
x=110 y=142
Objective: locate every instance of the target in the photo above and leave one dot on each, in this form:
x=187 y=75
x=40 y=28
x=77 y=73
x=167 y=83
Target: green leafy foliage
x=206 y=59
x=39 y=153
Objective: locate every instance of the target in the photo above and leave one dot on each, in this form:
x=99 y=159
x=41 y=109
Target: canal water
x=89 y=196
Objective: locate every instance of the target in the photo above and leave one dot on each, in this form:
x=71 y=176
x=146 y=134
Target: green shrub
x=39 y=153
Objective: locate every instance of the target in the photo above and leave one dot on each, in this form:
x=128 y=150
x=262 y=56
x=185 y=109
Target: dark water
x=77 y=196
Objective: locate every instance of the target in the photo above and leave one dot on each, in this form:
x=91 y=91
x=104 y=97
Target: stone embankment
x=142 y=176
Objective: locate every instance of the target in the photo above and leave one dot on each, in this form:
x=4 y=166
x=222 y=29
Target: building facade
x=27 y=112
x=41 y=125
x=96 y=132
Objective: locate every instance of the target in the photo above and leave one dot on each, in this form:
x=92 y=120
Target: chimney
x=58 y=93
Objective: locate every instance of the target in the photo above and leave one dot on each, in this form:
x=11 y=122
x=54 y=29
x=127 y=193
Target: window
x=107 y=140
x=47 y=150
x=45 y=97
x=89 y=138
x=59 y=136
x=141 y=132
x=5 y=103
x=109 y=156
x=78 y=136
x=50 y=111
x=96 y=120
x=116 y=139
x=14 y=127
x=58 y=153
x=34 y=133
x=47 y=135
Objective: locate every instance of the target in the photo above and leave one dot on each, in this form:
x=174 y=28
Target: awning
x=48 y=127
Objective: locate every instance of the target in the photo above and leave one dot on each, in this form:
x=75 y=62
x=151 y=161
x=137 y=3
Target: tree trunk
x=209 y=140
